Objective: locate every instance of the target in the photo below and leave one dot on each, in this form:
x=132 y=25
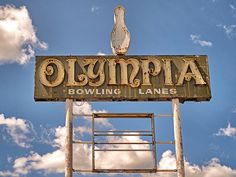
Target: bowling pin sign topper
x=120 y=36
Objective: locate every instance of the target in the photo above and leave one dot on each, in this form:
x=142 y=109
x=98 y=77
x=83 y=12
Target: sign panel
x=122 y=78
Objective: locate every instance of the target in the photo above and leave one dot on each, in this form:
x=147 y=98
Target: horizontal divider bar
x=121 y=143
x=166 y=170
x=163 y=115
x=124 y=170
x=114 y=131
x=156 y=116
x=82 y=115
x=165 y=142
x=123 y=115
x=90 y=142
x=122 y=134
x=122 y=149
x=82 y=142
x=126 y=117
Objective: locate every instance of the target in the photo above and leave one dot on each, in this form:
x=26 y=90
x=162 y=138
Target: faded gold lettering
x=95 y=79
x=150 y=71
x=195 y=73
x=124 y=80
x=46 y=69
x=167 y=71
x=83 y=79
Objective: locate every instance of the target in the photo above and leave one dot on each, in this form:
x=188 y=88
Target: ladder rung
x=122 y=134
x=121 y=143
x=122 y=150
x=120 y=131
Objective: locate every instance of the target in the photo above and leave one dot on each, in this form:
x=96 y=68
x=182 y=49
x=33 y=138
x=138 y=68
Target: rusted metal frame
x=154 y=141
x=137 y=133
x=102 y=134
x=125 y=170
x=93 y=152
x=122 y=150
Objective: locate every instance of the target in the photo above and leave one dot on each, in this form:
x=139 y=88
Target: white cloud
x=17 y=35
x=229 y=30
x=196 y=40
x=228 y=131
x=94 y=8
x=212 y=169
x=17 y=129
x=52 y=162
x=82 y=130
x=83 y=108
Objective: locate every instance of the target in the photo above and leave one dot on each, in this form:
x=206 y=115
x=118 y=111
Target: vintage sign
x=118 y=78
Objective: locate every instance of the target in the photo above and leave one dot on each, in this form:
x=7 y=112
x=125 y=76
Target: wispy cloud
x=197 y=40
x=229 y=30
x=232 y=7
x=94 y=8
x=17 y=35
x=234 y=110
x=229 y=131
x=17 y=129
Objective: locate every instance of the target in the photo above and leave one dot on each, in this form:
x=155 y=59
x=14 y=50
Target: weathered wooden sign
x=119 y=78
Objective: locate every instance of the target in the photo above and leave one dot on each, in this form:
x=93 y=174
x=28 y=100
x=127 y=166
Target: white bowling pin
x=120 y=36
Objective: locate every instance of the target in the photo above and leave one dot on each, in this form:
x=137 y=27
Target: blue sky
x=31 y=132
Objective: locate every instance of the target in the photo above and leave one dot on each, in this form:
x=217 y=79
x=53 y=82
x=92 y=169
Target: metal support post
x=154 y=141
x=69 y=138
x=93 y=144
x=178 y=138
